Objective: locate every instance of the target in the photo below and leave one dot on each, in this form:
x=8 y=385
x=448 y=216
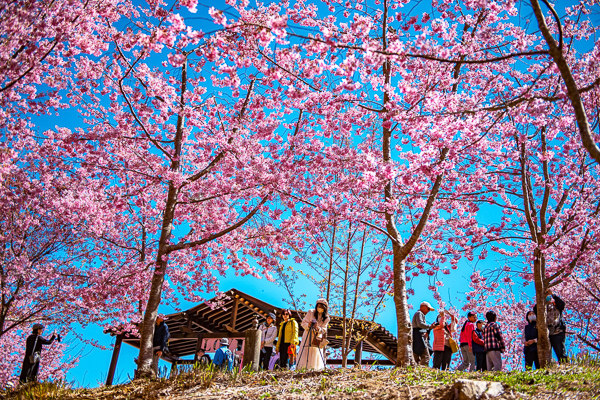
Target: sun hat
x=324 y=302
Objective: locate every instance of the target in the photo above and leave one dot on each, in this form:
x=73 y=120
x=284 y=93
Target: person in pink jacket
x=466 y=343
x=442 y=332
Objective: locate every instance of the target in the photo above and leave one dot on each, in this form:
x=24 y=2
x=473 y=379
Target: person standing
x=315 y=324
x=494 y=342
x=287 y=338
x=557 y=329
x=33 y=352
x=421 y=329
x=160 y=341
x=442 y=333
x=530 y=337
x=202 y=358
x=269 y=334
x=466 y=343
x=479 y=347
x=224 y=359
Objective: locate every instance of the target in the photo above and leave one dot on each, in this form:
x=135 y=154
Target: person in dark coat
x=557 y=329
x=159 y=341
x=34 y=344
x=530 y=337
x=202 y=358
x=479 y=347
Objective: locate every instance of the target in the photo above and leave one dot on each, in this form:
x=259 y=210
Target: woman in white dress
x=315 y=324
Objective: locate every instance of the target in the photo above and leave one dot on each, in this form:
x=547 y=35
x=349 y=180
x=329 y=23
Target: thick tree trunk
x=543 y=345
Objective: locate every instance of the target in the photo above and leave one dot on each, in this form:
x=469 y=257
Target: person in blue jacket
x=160 y=341
x=223 y=356
x=479 y=347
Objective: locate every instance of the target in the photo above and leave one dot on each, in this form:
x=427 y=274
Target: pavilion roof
x=232 y=314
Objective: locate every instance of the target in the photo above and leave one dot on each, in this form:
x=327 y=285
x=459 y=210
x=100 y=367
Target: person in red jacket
x=466 y=343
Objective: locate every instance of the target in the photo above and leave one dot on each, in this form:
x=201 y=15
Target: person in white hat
x=315 y=324
x=421 y=334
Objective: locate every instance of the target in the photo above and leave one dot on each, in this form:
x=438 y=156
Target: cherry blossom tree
x=556 y=50
x=40 y=45
x=416 y=137
x=54 y=365
x=581 y=292
x=189 y=128
x=52 y=252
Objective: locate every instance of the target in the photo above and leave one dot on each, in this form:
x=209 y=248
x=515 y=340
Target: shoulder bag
x=451 y=341
x=35 y=355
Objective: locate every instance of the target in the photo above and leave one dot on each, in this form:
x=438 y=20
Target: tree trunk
x=543 y=344
x=405 y=354
x=331 y=254
x=148 y=324
x=147 y=333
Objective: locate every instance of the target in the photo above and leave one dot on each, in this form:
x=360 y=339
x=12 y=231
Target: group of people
x=481 y=343
x=284 y=340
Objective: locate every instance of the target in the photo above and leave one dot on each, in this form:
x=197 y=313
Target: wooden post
x=198 y=346
x=113 y=361
x=358 y=354
x=252 y=347
x=234 y=314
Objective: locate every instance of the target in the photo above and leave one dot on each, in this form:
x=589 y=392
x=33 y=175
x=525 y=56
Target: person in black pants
x=557 y=329
x=269 y=334
x=530 y=337
x=288 y=336
x=34 y=344
x=479 y=347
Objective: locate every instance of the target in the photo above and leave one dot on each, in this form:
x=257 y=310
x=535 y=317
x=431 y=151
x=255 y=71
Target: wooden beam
x=380 y=347
x=113 y=360
x=252 y=307
x=213 y=335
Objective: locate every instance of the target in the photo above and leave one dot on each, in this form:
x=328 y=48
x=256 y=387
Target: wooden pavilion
x=234 y=315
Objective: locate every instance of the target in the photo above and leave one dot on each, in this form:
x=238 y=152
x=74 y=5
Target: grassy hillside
x=571 y=382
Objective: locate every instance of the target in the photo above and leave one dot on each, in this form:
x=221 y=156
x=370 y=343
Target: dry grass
x=573 y=382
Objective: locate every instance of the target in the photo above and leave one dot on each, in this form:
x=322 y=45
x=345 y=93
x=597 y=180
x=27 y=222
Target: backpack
x=228 y=361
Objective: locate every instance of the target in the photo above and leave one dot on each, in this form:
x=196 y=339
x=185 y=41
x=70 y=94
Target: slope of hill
x=573 y=382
